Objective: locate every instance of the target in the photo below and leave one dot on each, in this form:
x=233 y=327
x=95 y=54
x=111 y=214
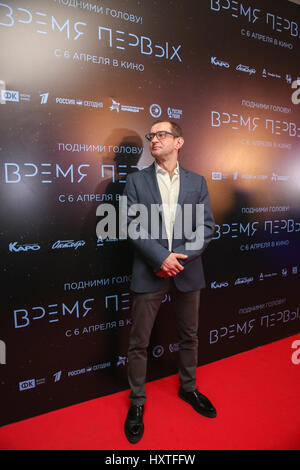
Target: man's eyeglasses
x=161 y=135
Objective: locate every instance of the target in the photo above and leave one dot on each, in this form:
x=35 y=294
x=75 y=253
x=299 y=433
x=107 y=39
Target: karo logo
x=220 y=63
x=14 y=247
x=26 y=384
x=9 y=95
x=218 y=285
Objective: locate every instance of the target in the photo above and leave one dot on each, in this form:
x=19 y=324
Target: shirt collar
x=161 y=170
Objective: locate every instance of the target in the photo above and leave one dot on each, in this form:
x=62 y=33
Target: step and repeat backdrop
x=80 y=84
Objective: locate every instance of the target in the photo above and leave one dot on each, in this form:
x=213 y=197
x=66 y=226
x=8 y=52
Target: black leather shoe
x=199 y=402
x=134 y=426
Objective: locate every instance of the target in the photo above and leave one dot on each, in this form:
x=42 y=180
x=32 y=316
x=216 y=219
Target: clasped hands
x=171 y=265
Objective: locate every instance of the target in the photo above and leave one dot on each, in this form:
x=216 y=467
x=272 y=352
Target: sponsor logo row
x=285 y=272
x=274 y=177
x=15 y=247
x=122 y=360
x=250 y=70
x=155 y=110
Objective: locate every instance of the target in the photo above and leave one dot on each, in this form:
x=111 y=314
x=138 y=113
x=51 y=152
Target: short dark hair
x=176 y=129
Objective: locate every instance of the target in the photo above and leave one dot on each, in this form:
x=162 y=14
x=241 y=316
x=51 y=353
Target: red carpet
x=256 y=394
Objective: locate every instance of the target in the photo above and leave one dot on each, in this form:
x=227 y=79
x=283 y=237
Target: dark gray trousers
x=145 y=308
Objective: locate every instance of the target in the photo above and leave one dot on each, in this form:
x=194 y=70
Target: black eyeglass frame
x=151 y=135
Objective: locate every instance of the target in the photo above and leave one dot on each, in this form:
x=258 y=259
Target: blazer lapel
x=184 y=185
x=152 y=183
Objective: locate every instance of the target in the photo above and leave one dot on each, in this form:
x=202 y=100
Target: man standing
x=169 y=260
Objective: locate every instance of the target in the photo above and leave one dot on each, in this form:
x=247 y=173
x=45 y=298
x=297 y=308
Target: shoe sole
x=207 y=414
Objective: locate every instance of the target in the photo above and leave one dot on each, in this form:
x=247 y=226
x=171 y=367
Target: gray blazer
x=142 y=187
